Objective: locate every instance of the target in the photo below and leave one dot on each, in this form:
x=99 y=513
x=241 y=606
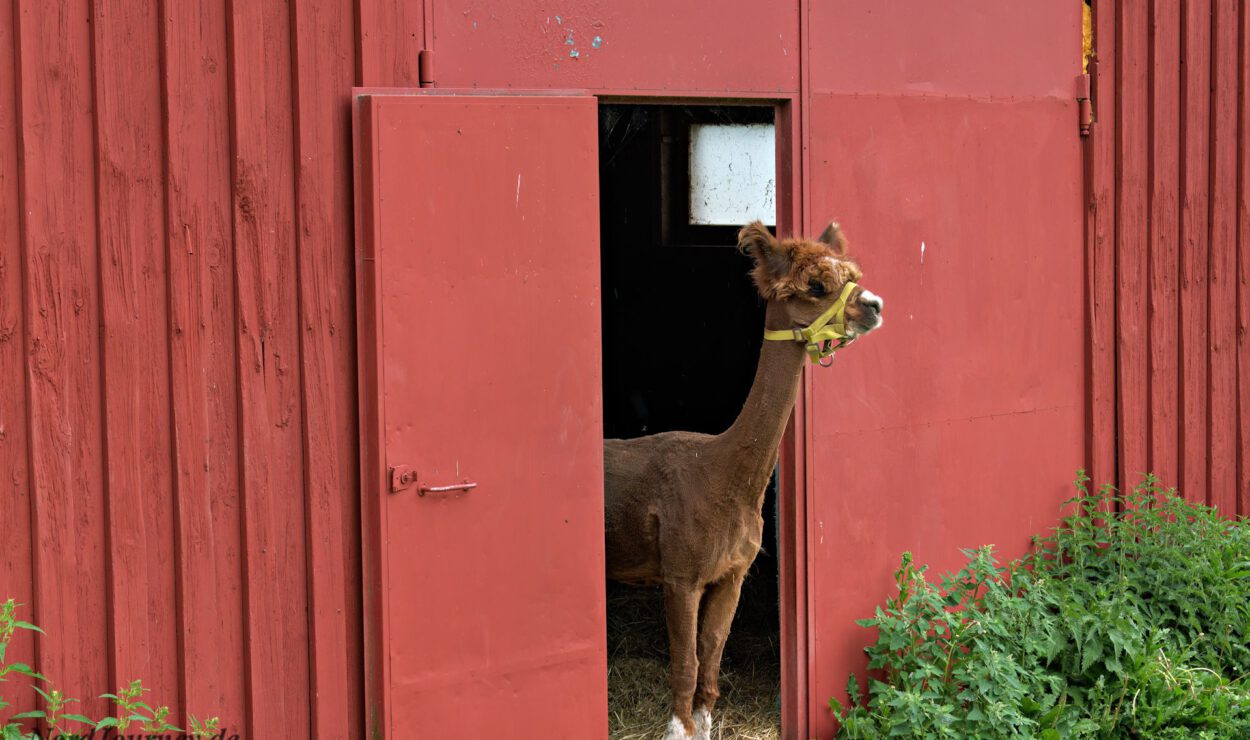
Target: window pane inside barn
x=733 y=174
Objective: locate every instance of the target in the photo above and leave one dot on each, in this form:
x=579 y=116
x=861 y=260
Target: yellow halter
x=819 y=336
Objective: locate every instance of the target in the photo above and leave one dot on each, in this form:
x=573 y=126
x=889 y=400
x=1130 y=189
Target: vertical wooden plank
x=324 y=41
x=275 y=592
x=1222 y=310
x=390 y=35
x=1243 y=269
x=1101 y=260
x=1131 y=242
x=1195 y=130
x=375 y=622
x=15 y=549
x=138 y=481
x=202 y=358
x=1164 y=235
x=60 y=274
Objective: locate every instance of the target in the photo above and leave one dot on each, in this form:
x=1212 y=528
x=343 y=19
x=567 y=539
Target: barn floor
x=638 y=696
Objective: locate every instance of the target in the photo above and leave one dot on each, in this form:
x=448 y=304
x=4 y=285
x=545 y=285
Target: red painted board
x=1102 y=240
x=389 y=36
x=1132 y=247
x=1163 y=210
x=1222 y=278
x=961 y=422
x=15 y=551
x=1195 y=173
x=981 y=48
x=269 y=370
x=1243 y=275
x=323 y=78
x=203 y=373
x=637 y=47
x=143 y=620
x=481 y=242
x=62 y=314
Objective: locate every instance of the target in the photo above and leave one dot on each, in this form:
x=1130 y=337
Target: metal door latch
x=403 y=477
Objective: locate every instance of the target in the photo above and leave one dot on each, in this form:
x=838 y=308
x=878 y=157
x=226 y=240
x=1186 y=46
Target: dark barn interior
x=681 y=338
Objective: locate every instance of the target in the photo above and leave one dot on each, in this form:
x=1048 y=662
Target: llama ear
x=832 y=235
x=771 y=261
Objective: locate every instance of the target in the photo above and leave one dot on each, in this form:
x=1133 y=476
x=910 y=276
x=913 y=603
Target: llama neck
x=756 y=434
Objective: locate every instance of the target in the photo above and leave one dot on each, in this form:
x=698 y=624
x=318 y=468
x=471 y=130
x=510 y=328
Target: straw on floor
x=638 y=695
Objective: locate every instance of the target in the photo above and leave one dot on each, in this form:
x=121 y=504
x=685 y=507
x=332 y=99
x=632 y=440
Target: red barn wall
x=1169 y=239
x=177 y=352
x=177 y=411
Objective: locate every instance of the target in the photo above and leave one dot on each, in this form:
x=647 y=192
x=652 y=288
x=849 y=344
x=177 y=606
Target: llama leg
x=681 y=606
x=718 y=614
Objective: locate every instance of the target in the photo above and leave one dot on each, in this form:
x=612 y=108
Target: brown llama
x=682 y=510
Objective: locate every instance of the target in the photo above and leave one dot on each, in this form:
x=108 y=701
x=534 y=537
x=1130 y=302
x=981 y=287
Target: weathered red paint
x=481 y=366
x=204 y=378
x=1164 y=293
x=963 y=444
x=1170 y=115
x=178 y=426
x=646 y=47
x=150 y=179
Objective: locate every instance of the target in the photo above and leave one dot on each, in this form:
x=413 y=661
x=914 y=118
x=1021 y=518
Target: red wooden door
x=480 y=358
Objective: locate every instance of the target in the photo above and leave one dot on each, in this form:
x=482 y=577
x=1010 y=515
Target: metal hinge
x=425 y=68
x=1085 y=106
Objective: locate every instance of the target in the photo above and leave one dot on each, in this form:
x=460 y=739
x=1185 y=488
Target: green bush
x=1131 y=620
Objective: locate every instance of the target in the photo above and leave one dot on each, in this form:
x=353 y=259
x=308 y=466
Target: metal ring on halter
x=822 y=362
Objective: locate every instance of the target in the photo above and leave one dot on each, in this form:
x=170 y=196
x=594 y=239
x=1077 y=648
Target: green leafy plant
x=131 y=708
x=1132 y=619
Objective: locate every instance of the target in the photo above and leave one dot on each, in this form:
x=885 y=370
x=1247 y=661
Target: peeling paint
x=574 y=54
x=922 y=252
x=559 y=20
x=569 y=39
x=598 y=41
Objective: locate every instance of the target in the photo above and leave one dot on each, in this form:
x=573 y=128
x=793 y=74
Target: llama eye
x=815 y=289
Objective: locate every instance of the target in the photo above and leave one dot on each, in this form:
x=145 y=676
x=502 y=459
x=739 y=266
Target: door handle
x=465 y=486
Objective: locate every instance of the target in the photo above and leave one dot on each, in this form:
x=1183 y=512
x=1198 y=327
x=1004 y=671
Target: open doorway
x=681 y=337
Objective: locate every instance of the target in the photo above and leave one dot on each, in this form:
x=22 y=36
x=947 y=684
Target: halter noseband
x=820 y=335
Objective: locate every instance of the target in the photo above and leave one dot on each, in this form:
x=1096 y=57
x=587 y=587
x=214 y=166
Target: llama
x=683 y=510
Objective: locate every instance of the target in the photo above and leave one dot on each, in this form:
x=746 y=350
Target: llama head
x=804 y=277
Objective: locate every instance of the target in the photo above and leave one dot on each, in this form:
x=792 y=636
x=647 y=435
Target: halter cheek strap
x=820 y=336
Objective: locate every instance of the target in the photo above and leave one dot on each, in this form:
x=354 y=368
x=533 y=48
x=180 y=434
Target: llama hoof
x=677 y=731
x=702 y=724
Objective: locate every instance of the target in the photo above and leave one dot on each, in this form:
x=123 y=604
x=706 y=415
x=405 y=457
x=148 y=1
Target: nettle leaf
x=36 y=714
x=78 y=718
x=107 y=722
x=28 y=626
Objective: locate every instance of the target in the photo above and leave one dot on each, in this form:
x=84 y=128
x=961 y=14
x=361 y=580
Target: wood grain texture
x=1222 y=275
x=1164 y=357
x=270 y=413
x=143 y=615
x=389 y=39
x=62 y=313
x=202 y=358
x=1243 y=269
x=1101 y=257
x=1131 y=241
x=1195 y=180
x=15 y=551
x=324 y=72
